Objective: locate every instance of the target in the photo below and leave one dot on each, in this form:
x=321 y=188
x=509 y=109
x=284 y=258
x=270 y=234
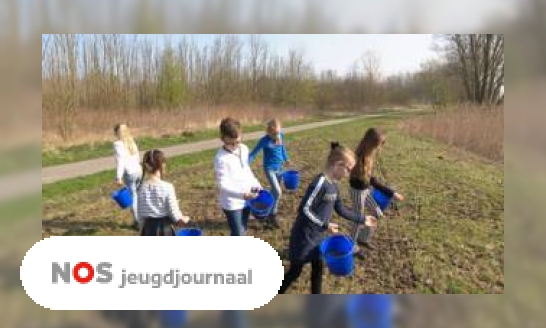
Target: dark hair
x=153 y=161
x=339 y=153
x=230 y=127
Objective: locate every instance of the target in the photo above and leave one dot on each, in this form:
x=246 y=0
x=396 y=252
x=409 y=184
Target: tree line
x=110 y=71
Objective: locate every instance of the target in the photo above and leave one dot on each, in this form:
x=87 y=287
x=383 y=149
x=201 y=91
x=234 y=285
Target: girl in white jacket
x=128 y=168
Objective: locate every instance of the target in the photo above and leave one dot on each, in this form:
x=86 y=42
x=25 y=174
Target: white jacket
x=234 y=177
x=126 y=163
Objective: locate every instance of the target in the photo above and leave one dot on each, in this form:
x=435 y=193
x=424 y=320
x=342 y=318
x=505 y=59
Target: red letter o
x=90 y=272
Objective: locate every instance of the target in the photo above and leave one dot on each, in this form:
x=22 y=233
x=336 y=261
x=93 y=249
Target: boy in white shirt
x=234 y=178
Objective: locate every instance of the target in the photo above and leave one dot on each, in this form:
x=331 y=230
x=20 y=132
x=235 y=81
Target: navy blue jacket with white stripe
x=314 y=214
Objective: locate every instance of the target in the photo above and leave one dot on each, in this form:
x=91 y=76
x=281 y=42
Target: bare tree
x=479 y=61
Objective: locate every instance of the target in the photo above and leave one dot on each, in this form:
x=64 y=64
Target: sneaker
x=360 y=254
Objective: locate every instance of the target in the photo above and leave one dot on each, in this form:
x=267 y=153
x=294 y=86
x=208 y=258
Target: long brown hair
x=153 y=161
x=365 y=153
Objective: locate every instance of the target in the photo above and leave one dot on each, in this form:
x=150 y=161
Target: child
x=275 y=156
x=314 y=214
x=361 y=180
x=128 y=169
x=234 y=178
x=158 y=206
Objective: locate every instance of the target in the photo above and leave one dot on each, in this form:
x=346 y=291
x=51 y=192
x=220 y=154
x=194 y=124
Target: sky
x=398 y=53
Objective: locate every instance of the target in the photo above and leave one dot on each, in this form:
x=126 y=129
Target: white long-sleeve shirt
x=234 y=177
x=125 y=162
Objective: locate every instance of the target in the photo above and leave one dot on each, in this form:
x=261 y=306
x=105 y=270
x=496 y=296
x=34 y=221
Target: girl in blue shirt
x=275 y=157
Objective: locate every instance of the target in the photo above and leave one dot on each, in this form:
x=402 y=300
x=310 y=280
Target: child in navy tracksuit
x=275 y=156
x=321 y=200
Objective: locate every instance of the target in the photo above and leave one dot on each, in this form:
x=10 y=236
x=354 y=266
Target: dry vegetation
x=96 y=126
x=477 y=129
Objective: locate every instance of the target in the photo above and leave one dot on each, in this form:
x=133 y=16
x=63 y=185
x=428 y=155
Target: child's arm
x=224 y=181
x=118 y=151
x=285 y=156
x=256 y=150
x=347 y=214
x=316 y=195
x=174 y=208
x=255 y=182
x=383 y=188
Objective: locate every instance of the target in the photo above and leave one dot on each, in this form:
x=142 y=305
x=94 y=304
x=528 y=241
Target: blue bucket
x=123 y=197
x=337 y=251
x=173 y=318
x=370 y=311
x=189 y=232
x=381 y=199
x=261 y=205
x=291 y=179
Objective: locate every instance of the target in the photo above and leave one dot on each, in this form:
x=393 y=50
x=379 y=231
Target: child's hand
x=119 y=182
x=250 y=195
x=333 y=228
x=184 y=220
x=398 y=196
x=370 y=221
x=288 y=163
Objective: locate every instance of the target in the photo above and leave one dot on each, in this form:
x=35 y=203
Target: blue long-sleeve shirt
x=274 y=155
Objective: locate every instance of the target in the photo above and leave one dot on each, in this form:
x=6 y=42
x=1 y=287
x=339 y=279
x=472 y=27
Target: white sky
x=397 y=52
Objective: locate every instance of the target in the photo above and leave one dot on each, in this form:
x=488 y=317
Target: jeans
x=275 y=178
x=238 y=221
x=131 y=182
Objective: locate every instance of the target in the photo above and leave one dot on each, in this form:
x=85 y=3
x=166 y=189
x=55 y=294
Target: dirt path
x=74 y=170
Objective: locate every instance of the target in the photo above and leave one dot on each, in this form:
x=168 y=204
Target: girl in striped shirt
x=158 y=208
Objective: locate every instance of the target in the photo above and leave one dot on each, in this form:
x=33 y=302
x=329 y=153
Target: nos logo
x=102 y=271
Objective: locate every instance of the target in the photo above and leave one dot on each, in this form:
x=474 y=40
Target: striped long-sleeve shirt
x=157 y=199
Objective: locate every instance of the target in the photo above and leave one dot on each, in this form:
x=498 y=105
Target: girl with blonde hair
x=315 y=212
x=128 y=168
x=275 y=157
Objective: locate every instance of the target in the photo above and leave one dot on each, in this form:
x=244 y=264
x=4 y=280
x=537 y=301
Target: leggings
x=294 y=271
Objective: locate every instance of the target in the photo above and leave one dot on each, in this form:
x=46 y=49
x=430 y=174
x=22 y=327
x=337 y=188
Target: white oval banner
x=152 y=273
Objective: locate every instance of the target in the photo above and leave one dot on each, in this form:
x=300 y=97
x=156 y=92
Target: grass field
x=447 y=238
x=103 y=149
